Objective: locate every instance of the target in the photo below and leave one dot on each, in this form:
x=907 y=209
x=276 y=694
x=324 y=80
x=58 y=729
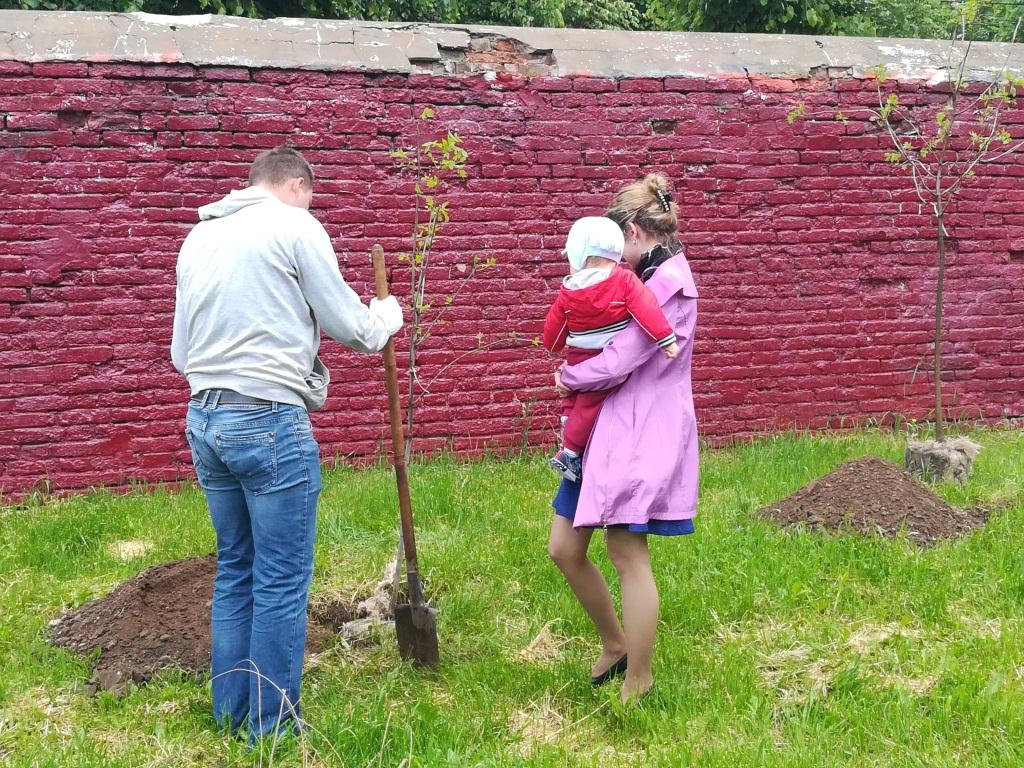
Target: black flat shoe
x=641 y=698
x=616 y=669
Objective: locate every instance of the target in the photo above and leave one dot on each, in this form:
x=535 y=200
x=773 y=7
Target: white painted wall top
x=315 y=44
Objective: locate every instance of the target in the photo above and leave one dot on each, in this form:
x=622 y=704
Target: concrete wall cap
x=401 y=47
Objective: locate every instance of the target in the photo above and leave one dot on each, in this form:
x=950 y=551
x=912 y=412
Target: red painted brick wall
x=814 y=262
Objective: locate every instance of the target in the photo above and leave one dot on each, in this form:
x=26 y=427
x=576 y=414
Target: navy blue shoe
x=570 y=466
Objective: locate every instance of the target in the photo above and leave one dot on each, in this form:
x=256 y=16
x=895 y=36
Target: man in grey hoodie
x=257 y=280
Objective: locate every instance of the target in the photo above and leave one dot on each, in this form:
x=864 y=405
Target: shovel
x=415 y=622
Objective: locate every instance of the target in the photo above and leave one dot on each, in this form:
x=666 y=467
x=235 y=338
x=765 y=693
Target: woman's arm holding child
x=630 y=349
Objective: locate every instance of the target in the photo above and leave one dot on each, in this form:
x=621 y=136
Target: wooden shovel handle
x=380 y=274
x=380 y=277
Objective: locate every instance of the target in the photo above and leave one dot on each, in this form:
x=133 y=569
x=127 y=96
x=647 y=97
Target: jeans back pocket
x=251 y=457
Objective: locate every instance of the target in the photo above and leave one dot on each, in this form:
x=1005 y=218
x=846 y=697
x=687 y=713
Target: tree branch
x=425 y=388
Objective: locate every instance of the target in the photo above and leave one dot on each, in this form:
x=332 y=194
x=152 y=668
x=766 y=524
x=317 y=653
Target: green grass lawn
x=775 y=648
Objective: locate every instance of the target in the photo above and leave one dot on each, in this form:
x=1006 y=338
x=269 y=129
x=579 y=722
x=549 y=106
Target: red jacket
x=590 y=316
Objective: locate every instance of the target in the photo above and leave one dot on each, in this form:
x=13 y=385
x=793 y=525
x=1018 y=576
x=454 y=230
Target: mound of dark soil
x=874 y=496
x=158 y=620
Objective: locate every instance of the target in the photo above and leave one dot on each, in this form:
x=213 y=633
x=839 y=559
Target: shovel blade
x=416 y=627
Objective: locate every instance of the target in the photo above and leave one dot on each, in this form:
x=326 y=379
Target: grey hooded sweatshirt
x=257 y=280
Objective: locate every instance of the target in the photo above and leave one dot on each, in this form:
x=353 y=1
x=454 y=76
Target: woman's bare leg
x=629 y=555
x=568 y=548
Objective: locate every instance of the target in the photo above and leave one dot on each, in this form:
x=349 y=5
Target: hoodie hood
x=234 y=202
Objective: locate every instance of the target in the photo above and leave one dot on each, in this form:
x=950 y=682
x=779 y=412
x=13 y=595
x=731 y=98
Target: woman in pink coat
x=640 y=465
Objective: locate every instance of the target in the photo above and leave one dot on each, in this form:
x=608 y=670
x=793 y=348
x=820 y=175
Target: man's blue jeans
x=260 y=469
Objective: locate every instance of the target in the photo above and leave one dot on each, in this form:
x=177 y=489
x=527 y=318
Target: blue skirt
x=568 y=497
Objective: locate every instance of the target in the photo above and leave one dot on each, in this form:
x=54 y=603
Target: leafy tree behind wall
x=875 y=18
x=998 y=19
x=594 y=14
x=904 y=18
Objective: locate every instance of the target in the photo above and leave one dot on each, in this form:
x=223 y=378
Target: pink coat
x=641 y=461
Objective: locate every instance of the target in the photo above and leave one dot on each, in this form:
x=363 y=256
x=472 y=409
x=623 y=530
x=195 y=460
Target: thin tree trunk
x=940 y=428
x=410 y=405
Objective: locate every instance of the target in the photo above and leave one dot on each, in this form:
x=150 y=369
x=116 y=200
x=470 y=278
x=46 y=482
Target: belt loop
x=216 y=398
x=273 y=406
x=206 y=396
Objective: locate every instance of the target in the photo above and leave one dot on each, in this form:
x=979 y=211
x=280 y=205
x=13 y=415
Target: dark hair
x=278 y=165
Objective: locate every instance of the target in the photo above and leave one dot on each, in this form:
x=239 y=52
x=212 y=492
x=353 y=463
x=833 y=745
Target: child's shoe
x=569 y=464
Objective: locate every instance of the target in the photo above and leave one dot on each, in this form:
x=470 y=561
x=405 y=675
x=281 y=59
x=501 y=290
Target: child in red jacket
x=597 y=300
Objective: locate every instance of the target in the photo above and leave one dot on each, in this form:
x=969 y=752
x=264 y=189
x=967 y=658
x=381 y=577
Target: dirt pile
x=158 y=620
x=874 y=496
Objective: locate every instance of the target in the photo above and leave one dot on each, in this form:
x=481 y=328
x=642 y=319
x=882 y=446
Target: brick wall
x=814 y=261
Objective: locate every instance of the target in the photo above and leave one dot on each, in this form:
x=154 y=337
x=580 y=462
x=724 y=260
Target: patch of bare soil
x=874 y=496
x=159 y=620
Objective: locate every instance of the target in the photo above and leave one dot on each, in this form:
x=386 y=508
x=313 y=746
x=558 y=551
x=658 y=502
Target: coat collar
x=673 y=277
